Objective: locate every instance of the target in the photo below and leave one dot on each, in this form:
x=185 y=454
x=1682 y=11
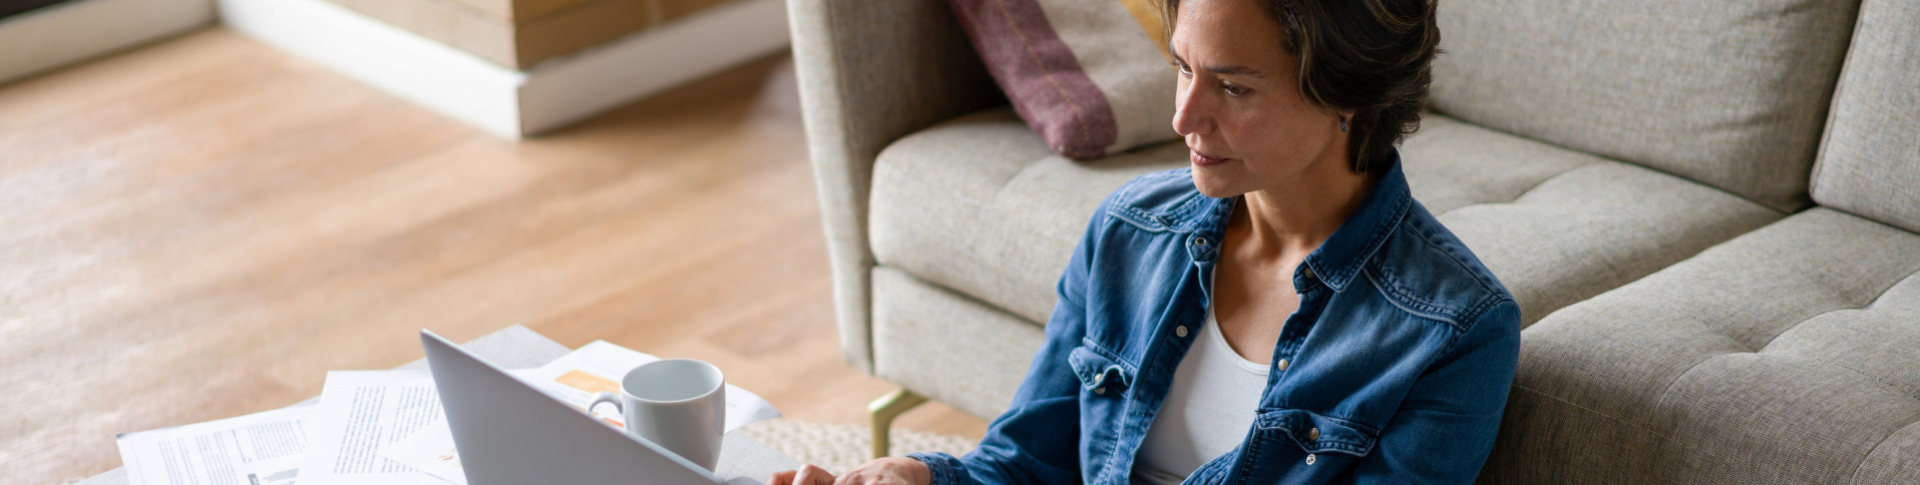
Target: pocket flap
x=1317 y=433
x=1096 y=367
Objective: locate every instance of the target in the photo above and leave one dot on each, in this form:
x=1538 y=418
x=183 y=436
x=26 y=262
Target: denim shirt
x=1394 y=369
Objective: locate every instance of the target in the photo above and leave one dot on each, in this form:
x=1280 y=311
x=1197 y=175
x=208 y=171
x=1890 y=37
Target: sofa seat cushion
x=1558 y=226
x=979 y=204
x=1783 y=356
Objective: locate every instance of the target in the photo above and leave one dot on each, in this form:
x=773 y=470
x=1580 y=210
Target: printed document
x=360 y=412
x=261 y=448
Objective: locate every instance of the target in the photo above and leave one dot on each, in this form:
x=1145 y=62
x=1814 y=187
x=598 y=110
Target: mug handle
x=607 y=397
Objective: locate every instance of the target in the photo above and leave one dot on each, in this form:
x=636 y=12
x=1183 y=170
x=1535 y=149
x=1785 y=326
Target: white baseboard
x=505 y=101
x=61 y=34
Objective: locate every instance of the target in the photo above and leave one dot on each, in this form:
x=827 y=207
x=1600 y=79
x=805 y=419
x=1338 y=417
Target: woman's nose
x=1189 y=112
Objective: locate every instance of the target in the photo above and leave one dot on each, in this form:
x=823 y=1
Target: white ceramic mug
x=679 y=404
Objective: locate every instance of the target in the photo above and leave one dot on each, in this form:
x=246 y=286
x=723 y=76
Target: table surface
x=743 y=460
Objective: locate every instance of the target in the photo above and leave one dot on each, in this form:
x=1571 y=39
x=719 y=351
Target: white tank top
x=1207 y=413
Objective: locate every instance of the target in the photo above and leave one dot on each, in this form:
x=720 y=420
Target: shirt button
x=1310 y=459
x=1180 y=331
x=1281 y=365
x=1201 y=241
x=1099 y=390
x=1307 y=272
x=1313 y=434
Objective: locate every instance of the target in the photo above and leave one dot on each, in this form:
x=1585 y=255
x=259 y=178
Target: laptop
x=510 y=433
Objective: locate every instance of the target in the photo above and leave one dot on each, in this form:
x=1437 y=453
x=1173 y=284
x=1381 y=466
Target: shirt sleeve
x=1037 y=440
x=1445 y=428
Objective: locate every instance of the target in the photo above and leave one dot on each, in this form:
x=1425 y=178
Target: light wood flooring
x=201 y=228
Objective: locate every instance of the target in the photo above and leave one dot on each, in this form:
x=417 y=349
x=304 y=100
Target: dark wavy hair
x=1371 y=57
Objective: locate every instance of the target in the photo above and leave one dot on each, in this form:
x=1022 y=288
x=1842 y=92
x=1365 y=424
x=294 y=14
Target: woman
x=1282 y=310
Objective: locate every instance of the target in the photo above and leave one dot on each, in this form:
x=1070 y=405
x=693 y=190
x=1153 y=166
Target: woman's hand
x=885 y=471
x=806 y=475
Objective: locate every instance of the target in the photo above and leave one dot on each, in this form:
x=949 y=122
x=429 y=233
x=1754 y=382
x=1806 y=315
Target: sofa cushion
x=1783 y=356
x=1870 y=161
x=1090 y=77
x=1731 y=93
x=1559 y=226
x=980 y=205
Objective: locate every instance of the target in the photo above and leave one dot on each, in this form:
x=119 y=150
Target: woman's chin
x=1212 y=185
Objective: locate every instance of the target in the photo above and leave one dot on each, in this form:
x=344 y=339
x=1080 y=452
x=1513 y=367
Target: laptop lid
x=510 y=433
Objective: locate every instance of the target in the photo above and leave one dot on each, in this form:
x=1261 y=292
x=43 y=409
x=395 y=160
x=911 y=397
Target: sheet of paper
x=262 y=448
x=430 y=451
x=574 y=379
x=359 y=413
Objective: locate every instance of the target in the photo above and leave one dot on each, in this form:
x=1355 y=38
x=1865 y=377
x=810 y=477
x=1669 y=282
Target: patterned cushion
x=1870 y=162
x=1730 y=93
x=1088 y=75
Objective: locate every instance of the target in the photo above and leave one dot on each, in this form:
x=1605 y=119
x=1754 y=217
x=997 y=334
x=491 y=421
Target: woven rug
x=840 y=447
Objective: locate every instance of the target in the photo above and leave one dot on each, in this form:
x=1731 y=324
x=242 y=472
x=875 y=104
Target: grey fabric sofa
x=1637 y=172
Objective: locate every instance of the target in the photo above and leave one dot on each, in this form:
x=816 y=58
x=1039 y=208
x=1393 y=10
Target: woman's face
x=1239 y=104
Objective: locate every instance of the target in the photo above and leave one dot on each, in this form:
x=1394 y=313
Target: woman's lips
x=1202 y=160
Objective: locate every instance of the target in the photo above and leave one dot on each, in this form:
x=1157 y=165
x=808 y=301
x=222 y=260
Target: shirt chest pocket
x=1295 y=439
x=1100 y=372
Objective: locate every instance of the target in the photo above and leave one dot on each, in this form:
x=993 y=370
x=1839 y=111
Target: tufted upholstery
x=1788 y=355
x=1558 y=226
x=1784 y=356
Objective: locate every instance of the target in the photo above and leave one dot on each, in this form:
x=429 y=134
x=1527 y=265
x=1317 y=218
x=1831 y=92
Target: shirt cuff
x=946 y=469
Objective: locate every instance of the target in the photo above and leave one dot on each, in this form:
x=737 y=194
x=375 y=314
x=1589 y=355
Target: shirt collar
x=1341 y=257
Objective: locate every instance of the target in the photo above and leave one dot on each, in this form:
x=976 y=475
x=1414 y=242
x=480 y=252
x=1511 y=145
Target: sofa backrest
x=1869 y=164
x=1730 y=93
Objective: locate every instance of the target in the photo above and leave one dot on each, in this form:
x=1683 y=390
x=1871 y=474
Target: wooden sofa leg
x=884 y=410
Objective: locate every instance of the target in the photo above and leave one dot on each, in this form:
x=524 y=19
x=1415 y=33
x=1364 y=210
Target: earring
x=1343 y=125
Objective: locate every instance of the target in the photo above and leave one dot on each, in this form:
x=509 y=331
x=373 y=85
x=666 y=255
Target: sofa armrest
x=871 y=72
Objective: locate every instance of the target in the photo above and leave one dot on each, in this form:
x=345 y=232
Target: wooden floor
x=202 y=228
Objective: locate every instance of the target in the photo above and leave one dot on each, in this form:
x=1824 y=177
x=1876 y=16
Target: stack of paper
x=371 y=428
